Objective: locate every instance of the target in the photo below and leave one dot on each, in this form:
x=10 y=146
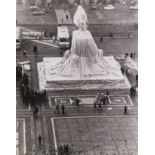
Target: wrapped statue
x=84 y=59
x=83 y=67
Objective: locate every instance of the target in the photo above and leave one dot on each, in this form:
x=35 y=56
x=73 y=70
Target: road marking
x=97 y=116
x=122 y=97
x=24 y=134
x=130 y=100
x=24 y=137
x=54 y=135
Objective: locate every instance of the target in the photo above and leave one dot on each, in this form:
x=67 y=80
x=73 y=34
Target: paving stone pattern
x=21 y=131
x=98 y=135
x=119 y=100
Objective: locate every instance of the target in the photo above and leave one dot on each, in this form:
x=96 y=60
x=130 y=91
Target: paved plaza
x=24 y=135
x=86 y=131
x=95 y=135
x=105 y=132
x=98 y=135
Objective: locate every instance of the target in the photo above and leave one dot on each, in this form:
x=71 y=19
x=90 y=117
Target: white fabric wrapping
x=84 y=59
x=80 y=14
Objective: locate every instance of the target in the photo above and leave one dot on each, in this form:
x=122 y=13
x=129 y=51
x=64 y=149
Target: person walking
x=132 y=91
x=36 y=112
x=101 y=39
x=39 y=140
x=131 y=55
x=77 y=101
x=95 y=106
x=125 y=110
x=63 y=109
x=35 y=50
x=67 y=17
x=57 y=108
x=107 y=97
x=136 y=80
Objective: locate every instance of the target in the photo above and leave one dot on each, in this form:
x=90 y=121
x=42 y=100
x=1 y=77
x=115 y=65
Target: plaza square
x=76 y=77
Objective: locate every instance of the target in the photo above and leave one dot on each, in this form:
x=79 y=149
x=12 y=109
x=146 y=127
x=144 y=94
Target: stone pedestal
x=112 y=80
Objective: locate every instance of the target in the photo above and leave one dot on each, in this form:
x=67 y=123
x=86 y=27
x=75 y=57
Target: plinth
x=114 y=79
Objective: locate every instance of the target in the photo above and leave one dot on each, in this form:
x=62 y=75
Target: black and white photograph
x=77 y=77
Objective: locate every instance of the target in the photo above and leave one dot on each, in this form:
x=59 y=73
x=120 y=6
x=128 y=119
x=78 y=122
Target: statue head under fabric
x=82 y=25
x=80 y=18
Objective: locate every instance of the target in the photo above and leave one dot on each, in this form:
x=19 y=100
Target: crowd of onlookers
x=69 y=150
x=61 y=149
x=132 y=55
x=29 y=96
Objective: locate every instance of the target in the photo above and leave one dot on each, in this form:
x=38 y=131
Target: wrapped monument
x=83 y=66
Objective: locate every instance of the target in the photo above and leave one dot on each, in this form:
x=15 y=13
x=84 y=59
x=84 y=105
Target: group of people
x=31 y=96
x=28 y=94
x=21 y=78
x=35 y=51
x=63 y=149
x=57 y=108
x=132 y=55
x=101 y=100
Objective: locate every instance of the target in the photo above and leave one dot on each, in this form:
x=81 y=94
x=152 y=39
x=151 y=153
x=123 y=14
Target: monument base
x=113 y=80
